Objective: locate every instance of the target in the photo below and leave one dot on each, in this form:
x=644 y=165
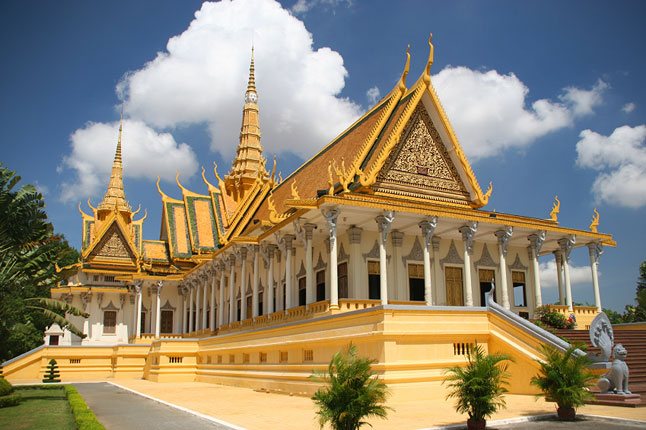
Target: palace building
x=381 y=239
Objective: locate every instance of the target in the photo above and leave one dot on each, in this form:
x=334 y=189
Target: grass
x=39 y=409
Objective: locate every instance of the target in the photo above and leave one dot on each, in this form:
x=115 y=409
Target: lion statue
x=616 y=380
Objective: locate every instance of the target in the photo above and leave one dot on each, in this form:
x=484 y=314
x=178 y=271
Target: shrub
x=53 y=374
x=352 y=394
x=564 y=378
x=10 y=400
x=547 y=317
x=479 y=386
x=83 y=415
x=5 y=387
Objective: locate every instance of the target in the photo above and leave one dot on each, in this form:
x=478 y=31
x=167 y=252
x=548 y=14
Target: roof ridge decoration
x=556 y=208
x=594 y=225
x=165 y=197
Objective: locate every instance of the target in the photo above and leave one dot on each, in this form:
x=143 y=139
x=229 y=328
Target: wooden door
x=454 y=286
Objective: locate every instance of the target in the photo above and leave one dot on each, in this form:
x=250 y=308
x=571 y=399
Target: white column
x=191 y=297
x=243 y=283
x=205 y=287
x=310 y=297
x=138 y=288
x=566 y=245
x=232 y=288
x=213 y=288
x=384 y=223
x=503 y=243
x=221 y=307
x=596 y=249
x=158 y=289
x=534 y=248
x=198 y=305
x=269 y=297
x=558 y=257
x=256 y=281
x=468 y=232
x=398 y=280
x=289 y=270
x=428 y=227
x=355 y=287
x=331 y=216
x=440 y=290
x=183 y=292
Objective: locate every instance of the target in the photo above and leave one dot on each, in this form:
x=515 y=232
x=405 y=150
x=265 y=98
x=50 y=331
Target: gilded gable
x=420 y=165
x=112 y=247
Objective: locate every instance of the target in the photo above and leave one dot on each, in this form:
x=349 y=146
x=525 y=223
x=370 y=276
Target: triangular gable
x=112 y=248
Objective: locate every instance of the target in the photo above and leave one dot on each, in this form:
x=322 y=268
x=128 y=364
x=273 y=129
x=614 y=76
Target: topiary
x=52 y=375
x=5 y=387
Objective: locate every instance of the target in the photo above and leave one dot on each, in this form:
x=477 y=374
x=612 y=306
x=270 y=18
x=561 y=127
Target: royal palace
x=381 y=239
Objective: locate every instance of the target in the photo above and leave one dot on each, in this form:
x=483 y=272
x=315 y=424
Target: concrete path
x=119 y=409
x=582 y=423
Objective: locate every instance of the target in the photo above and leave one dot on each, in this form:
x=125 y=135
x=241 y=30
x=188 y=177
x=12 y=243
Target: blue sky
x=547 y=99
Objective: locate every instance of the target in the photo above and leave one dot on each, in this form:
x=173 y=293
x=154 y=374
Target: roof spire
x=251 y=86
x=115 y=196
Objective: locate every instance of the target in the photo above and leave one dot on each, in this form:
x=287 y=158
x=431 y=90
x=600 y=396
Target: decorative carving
x=428 y=228
x=601 y=335
x=517 y=264
x=485 y=259
x=384 y=222
x=616 y=380
x=331 y=216
x=167 y=307
x=354 y=234
x=556 y=208
x=595 y=222
x=452 y=257
x=294 y=190
x=112 y=245
x=422 y=160
x=504 y=236
x=309 y=230
x=468 y=232
x=596 y=249
x=416 y=253
x=373 y=253
x=86 y=298
x=343 y=256
x=110 y=307
x=301 y=272
x=566 y=244
x=320 y=264
x=122 y=299
x=536 y=241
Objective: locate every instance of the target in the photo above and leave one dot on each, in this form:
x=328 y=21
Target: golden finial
x=137 y=211
x=274 y=218
x=295 y=195
x=251 y=85
x=595 y=222
x=164 y=196
x=83 y=214
x=89 y=203
x=402 y=80
x=556 y=208
x=273 y=169
x=217 y=176
x=488 y=193
x=429 y=62
x=342 y=175
x=143 y=217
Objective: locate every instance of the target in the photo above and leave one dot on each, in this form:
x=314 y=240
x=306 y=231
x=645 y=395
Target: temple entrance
x=166 y=325
x=454 y=286
x=486 y=278
x=416 y=282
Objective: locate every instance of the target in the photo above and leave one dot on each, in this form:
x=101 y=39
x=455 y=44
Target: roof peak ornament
x=402 y=81
x=115 y=196
x=556 y=208
x=594 y=225
x=429 y=62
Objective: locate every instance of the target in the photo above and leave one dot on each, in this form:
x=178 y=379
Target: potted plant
x=479 y=386
x=564 y=378
x=352 y=392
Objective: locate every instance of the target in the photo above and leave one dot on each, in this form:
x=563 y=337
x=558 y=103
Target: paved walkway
x=119 y=409
x=583 y=423
x=416 y=409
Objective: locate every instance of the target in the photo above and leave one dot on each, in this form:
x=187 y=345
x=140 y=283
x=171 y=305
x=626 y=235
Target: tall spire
x=249 y=163
x=115 y=196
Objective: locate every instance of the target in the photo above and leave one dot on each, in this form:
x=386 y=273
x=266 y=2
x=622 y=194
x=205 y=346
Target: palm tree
x=52 y=309
x=352 y=392
x=564 y=378
x=479 y=386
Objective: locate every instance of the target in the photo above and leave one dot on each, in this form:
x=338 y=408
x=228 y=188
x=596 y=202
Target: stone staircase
x=635 y=343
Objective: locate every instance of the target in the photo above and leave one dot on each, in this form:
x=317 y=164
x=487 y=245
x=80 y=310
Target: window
x=374 y=281
x=53 y=339
x=143 y=322
x=520 y=295
x=248 y=304
x=245 y=358
x=263 y=357
x=166 y=322
x=308 y=355
x=342 y=277
x=283 y=356
x=96 y=278
x=284 y=289
x=232 y=358
x=302 y=295
x=320 y=285
x=108 y=278
x=260 y=303
x=486 y=277
x=109 y=322
x=416 y=282
x=238 y=310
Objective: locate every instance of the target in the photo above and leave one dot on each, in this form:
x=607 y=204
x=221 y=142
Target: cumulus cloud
x=146 y=154
x=578 y=274
x=202 y=76
x=629 y=107
x=373 y=94
x=491 y=112
x=621 y=161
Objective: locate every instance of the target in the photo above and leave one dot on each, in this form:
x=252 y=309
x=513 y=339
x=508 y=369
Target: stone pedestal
x=611 y=399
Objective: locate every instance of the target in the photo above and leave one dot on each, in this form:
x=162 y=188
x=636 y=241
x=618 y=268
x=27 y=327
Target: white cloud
x=578 y=275
x=146 y=154
x=202 y=76
x=629 y=107
x=490 y=111
x=373 y=94
x=301 y=7
x=621 y=160
x=583 y=102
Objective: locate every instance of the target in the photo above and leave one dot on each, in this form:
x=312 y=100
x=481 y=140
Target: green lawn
x=39 y=409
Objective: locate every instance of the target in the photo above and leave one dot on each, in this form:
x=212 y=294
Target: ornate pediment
x=420 y=165
x=113 y=247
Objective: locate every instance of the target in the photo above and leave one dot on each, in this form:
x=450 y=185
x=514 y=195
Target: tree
x=352 y=392
x=479 y=386
x=29 y=250
x=53 y=374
